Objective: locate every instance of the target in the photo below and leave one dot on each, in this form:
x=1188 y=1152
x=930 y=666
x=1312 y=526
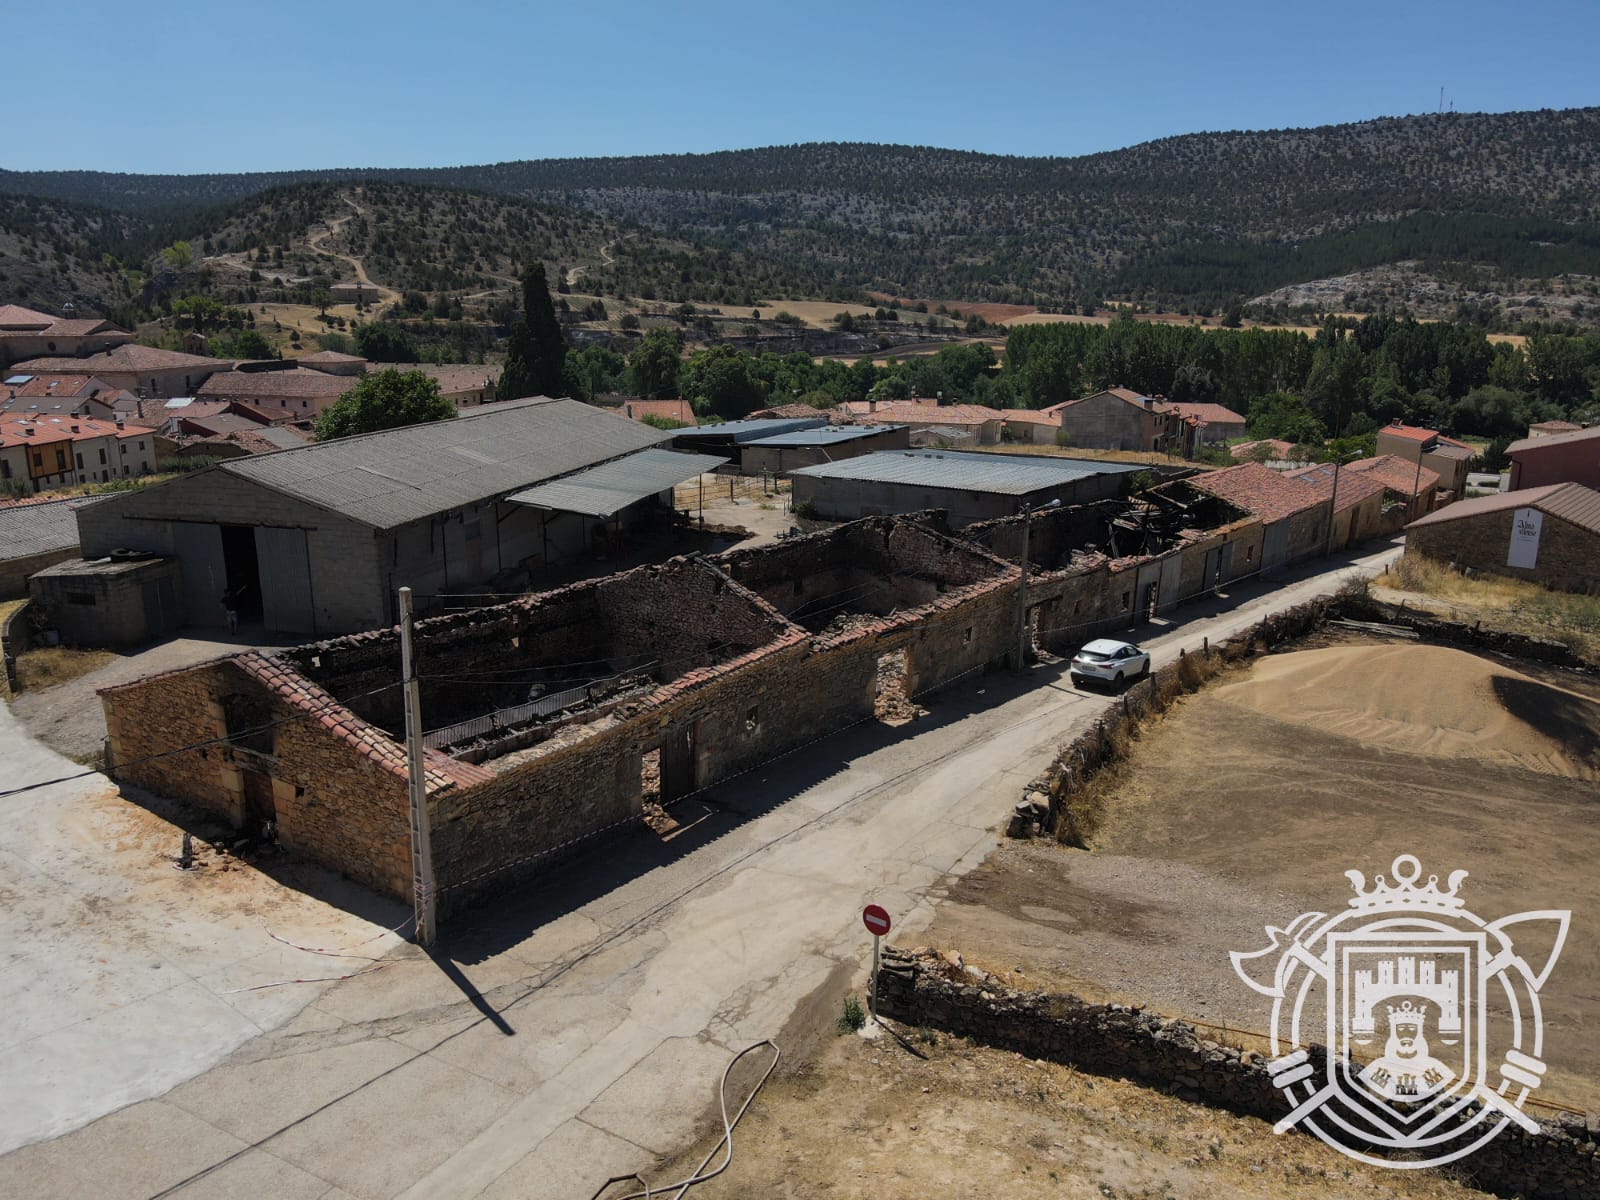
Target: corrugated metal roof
x=606 y=490
x=1572 y=502
x=1012 y=475
x=747 y=431
x=403 y=475
x=824 y=435
x=28 y=529
x=1553 y=439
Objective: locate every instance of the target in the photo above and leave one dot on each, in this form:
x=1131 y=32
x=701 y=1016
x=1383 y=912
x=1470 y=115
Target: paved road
x=577 y=1031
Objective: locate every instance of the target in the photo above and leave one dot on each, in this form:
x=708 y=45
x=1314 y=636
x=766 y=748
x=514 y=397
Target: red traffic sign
x=876 y=918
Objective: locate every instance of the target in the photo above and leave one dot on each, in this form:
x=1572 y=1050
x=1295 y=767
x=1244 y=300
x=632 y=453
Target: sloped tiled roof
x=16 y=318
x=1397 y=474
x=298 y=383
x=1354 y=486
x=1211 y=414
x=1572 y=502
x=132 y=357
x=1261 y=492
x=1126 y=395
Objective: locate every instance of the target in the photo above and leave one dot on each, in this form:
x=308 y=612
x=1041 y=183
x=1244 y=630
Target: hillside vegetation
x=1496 y=202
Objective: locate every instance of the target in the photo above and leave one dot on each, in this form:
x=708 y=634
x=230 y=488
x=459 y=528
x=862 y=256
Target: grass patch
x=854 y=1017
x=51 y=665
x=1513 y=605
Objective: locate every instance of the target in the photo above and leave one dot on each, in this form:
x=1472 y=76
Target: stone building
x=35 y=534
x=785 y=452
x=554 y=717
x=1119 y=419
x=1294 y=515
x=26 y=333
x=1548 y=535
x=1443 y=455
x=142 y=370
x=1358 y=503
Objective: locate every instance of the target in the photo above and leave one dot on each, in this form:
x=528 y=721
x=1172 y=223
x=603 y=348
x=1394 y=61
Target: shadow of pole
x=468 y=989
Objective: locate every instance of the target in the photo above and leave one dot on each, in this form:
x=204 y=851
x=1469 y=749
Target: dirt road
x=577 y=1030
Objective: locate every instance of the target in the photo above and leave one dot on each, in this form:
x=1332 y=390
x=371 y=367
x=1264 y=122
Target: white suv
x=1109 y=661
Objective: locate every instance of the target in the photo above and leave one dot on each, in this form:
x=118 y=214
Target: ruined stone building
x=558 y=716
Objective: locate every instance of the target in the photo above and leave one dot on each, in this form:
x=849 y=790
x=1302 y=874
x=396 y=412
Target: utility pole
x=1333 y=505
x=421 y=829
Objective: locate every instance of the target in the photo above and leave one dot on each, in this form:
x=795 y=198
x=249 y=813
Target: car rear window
x=1093 y=656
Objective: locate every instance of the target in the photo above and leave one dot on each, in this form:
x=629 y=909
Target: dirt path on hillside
x=386 y=295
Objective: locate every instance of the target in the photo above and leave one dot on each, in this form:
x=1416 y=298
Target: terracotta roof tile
x=1397 y=474
x=1264 y=493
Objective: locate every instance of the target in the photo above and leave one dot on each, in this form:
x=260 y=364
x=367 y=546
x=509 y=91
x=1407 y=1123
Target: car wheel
x=1118 y=683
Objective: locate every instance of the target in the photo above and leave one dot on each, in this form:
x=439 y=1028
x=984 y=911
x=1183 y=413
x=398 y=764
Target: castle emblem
x=1406 y=1022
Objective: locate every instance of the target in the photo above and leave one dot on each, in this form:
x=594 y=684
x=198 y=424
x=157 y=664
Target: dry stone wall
x=925 y=989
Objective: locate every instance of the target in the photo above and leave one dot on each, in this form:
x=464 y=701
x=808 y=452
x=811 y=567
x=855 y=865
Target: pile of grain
x=1428 y=700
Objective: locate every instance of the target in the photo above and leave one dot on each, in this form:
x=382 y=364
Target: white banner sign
x=1525 y=529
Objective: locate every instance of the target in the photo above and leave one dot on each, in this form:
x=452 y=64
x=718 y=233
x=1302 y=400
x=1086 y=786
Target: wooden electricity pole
x=416 y=773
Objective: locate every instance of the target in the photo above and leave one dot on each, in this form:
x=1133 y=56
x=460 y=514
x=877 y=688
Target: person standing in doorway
x=230 y=607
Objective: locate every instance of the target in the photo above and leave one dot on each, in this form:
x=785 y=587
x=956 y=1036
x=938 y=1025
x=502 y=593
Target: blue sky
x=225 y=87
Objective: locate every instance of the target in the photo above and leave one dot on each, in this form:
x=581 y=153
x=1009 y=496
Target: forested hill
x=1204 y=216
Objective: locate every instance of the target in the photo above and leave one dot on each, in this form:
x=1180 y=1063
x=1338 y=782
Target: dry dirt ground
x=68 y=716
x=938 y=1116
x=1248 y=801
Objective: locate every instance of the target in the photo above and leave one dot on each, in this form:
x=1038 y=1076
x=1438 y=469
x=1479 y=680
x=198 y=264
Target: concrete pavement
x=578 y=1030
x=121 y=973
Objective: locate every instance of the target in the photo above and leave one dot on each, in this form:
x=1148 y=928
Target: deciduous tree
x=386 y=399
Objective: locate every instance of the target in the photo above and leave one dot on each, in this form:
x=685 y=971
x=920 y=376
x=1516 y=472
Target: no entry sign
x=876 y=918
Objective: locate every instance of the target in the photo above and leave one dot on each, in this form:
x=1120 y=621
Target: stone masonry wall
x=936 y=991
x=332 y=803
x=1569 y=556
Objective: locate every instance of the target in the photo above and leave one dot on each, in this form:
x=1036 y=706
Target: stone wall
x=1569 y=556
x=936 y=991
x=334 y=791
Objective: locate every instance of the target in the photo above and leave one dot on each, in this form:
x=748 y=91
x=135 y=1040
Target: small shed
x=125 y=599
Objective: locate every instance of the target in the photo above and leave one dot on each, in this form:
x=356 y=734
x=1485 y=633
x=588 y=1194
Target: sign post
x=876 y=918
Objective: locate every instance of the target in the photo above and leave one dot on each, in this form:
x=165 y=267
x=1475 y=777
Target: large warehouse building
x=316 y=540
x=969 y=486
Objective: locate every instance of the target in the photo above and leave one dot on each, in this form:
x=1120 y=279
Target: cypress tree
x=536 y=352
